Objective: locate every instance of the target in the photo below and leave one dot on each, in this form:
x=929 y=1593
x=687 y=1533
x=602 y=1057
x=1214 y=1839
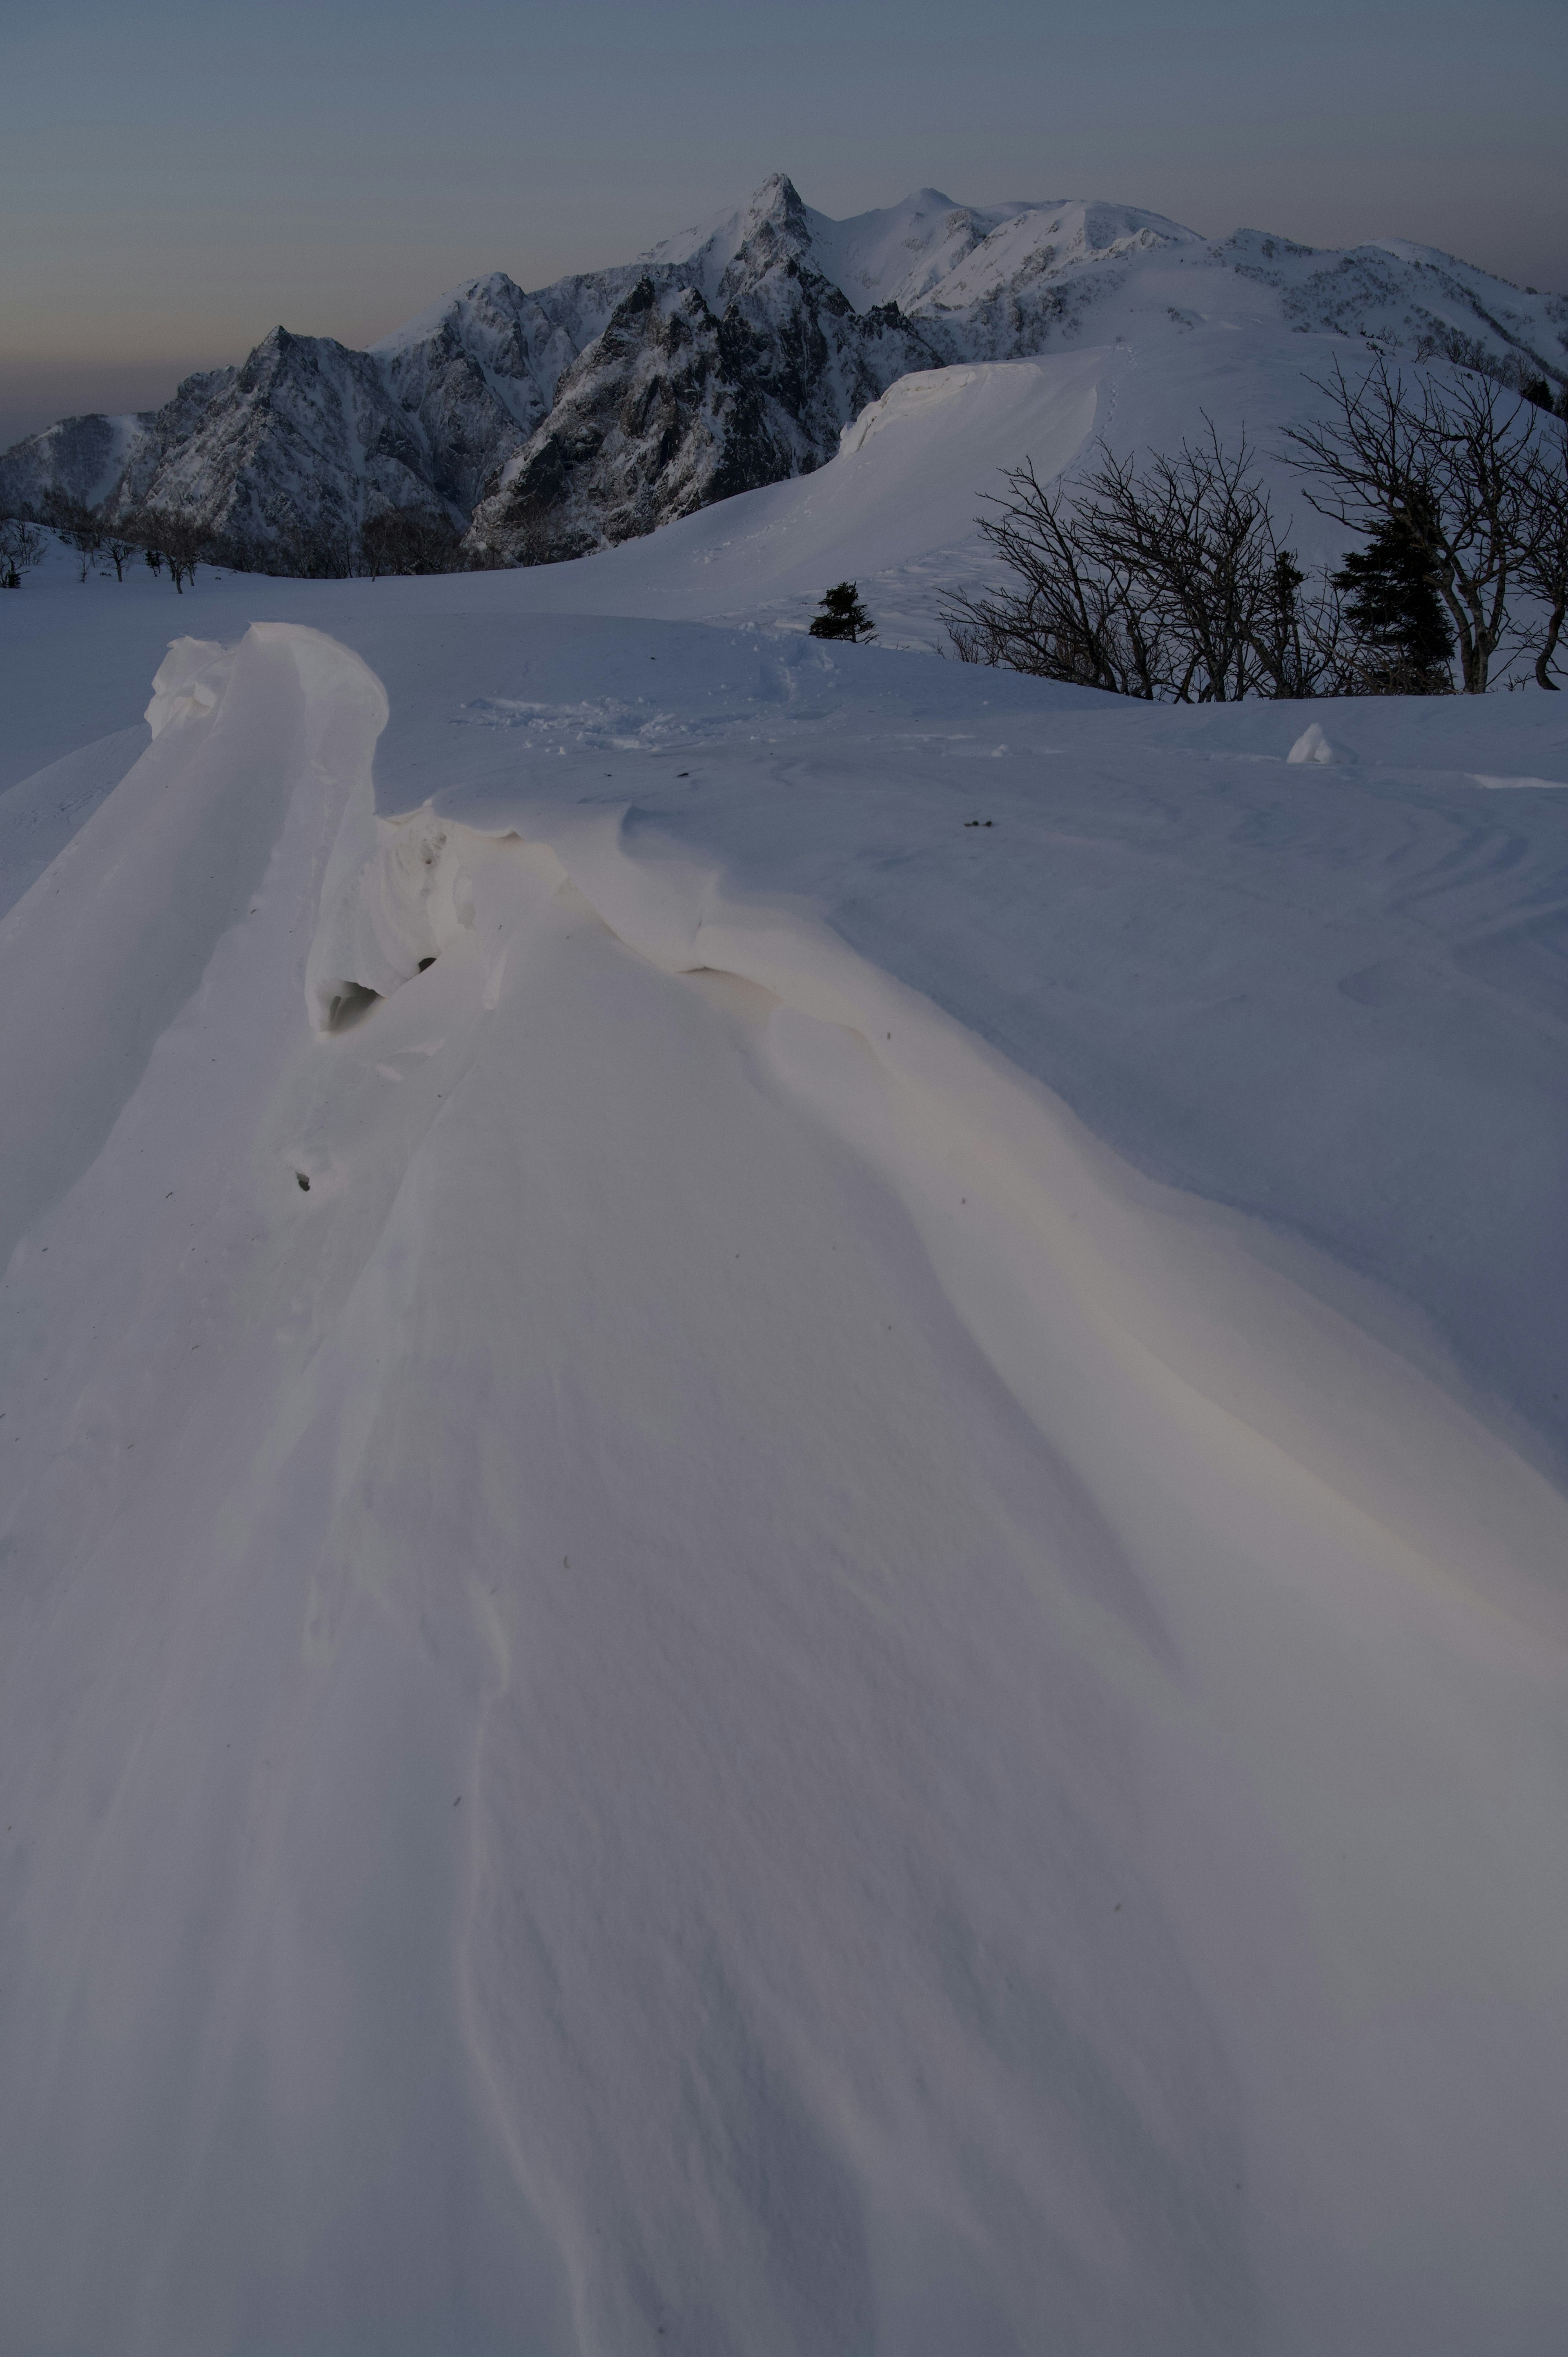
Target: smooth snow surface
x=781 y=1574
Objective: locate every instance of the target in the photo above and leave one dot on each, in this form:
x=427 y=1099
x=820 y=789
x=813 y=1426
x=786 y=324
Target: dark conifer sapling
x=841 y=616
x=1406 y=639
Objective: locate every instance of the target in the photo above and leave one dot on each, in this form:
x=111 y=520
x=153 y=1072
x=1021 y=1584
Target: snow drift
x=676 y=1665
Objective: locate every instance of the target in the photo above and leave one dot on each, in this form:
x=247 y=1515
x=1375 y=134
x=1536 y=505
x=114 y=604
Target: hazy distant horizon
x=177 y=180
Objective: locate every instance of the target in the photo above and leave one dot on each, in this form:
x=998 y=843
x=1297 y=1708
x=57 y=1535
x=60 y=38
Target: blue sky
x=175 y=179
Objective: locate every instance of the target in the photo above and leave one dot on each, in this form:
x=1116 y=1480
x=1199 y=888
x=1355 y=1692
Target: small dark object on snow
x=303 y=1183
x=843 y=615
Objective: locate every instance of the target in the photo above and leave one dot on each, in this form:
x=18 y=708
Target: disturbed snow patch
x=612 y=726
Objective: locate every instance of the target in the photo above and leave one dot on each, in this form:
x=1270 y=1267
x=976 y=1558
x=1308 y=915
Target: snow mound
x=1312 y=745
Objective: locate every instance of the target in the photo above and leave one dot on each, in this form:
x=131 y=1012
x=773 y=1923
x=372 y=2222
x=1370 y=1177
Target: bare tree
x=1198 y=529
x=21 y=547
x=1168 y=583
x=301 y=551
x=410 y=540
x=1543 y=562
x=181 y=541
x=1302 y=637
x=119 y=550
x=1069 y=613
x=1456 y=466
x=78 y=526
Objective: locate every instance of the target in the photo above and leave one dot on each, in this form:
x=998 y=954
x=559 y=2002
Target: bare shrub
x=1543 y=560
x=1169 y=583
x=78 y=526
x=309 y=552
x=21 y=547
x=176 y=538
x=410 y=540
x=1459 y=468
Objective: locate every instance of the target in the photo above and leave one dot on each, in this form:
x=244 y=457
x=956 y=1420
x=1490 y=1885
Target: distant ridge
x=732 y=355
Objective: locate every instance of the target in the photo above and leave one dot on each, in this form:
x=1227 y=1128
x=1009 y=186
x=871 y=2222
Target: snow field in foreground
x=725 y=1686
x=815 y=1602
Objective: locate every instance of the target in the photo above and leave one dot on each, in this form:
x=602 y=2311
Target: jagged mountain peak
x=777 y=198
x=492 y=295
x=728 y=355
x=704 y=253
x=281 y=348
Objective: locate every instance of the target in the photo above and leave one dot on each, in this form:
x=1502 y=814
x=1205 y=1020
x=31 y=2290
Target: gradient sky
x=175 y=179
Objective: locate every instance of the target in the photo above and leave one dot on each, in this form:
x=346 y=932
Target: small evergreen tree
x=841 y=616
x=1406 y=639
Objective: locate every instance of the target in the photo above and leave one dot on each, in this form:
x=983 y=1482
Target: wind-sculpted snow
x=783 y=1566
x=109 y=943
x=41 y=813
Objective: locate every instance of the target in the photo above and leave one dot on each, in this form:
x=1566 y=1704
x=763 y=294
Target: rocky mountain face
x=545 y=425
x=716 y=372
x=282 y=461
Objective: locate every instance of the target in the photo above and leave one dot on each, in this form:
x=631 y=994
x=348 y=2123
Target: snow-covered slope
x=726 y=358
x=895 y=508
x=815 y=1601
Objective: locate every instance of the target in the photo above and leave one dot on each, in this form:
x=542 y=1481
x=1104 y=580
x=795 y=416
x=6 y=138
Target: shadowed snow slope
x=813 y=1600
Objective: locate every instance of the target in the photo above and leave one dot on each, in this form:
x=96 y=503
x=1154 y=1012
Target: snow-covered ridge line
x=552 y=423
x=117 y=932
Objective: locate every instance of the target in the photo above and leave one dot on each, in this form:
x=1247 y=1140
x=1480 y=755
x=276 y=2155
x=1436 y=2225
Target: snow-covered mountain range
x=550 y=424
